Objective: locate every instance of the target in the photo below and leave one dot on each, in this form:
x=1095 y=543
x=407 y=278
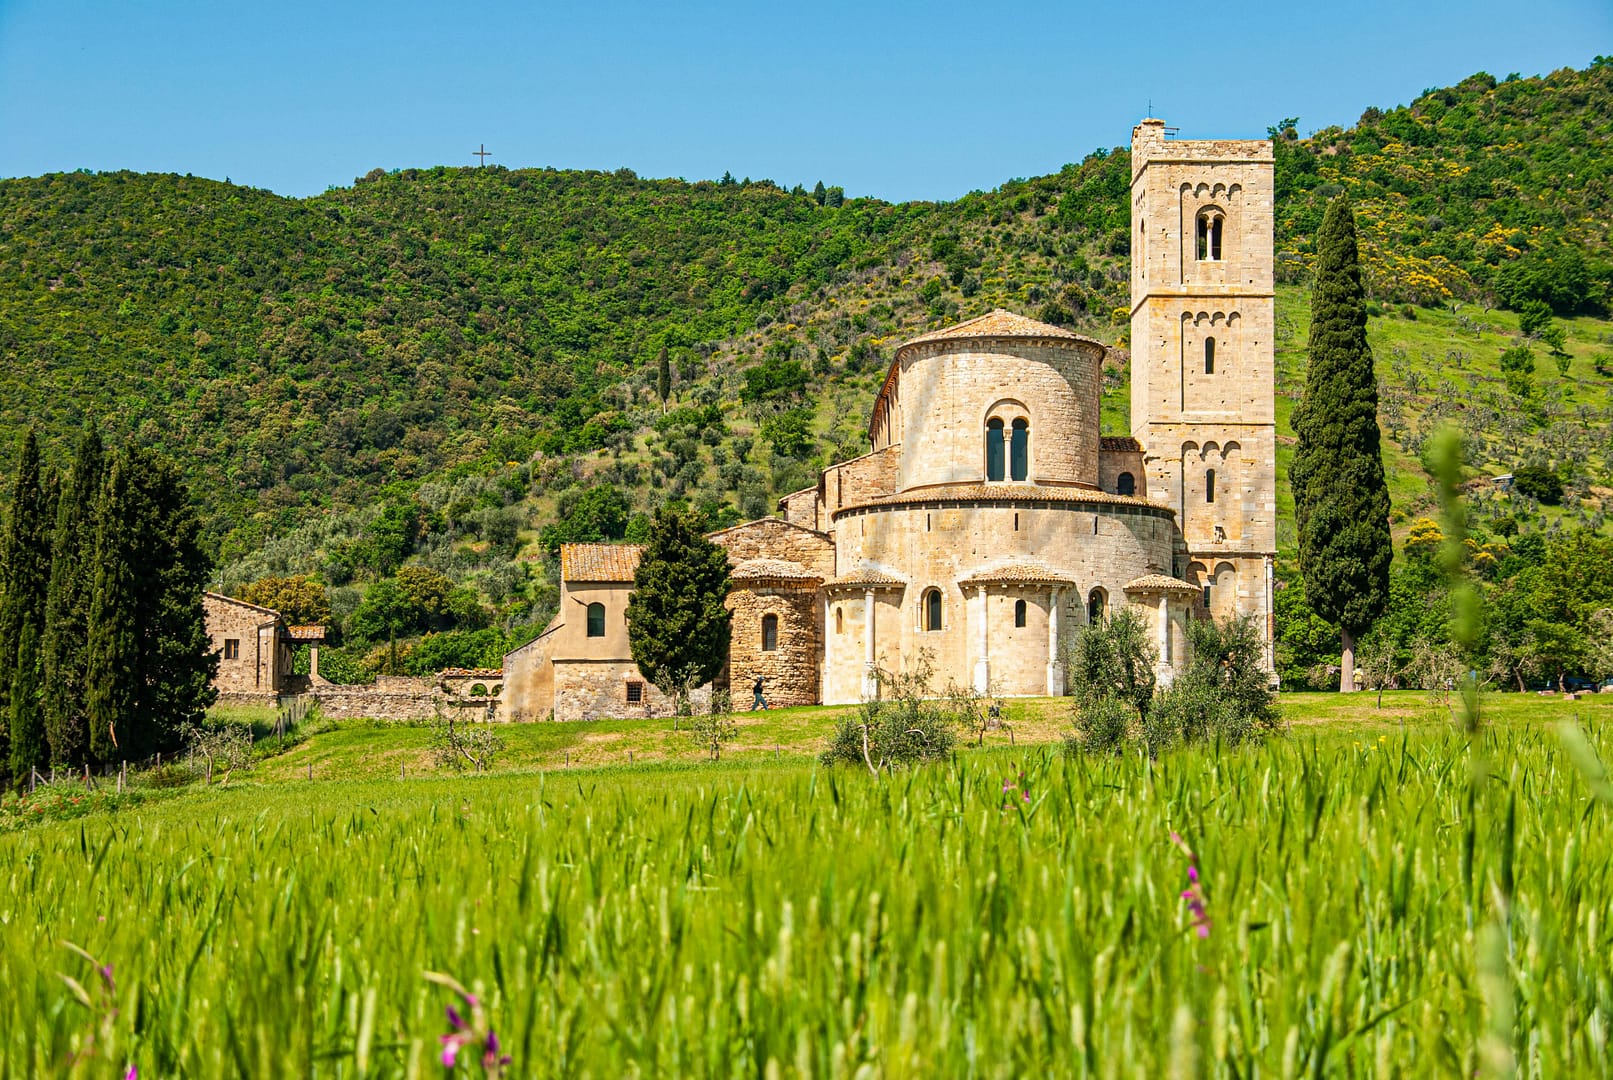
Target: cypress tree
x=150 y=663
x=663 y=375
x=26 y=568
x=111 y=669
x=176 y=660
x=1340 y=497
x=677 y=619
x=67 y=606
x=26 y=721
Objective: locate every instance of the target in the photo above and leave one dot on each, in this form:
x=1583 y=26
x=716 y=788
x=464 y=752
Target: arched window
x=1019 y=613
x=840 y=620
x=1209 y=485
x=1209 y=236
x=932 y=610
x=1020 y=451
x=995 y=469
x=596 y=620
x=1209 y=356
x=1125 y=484
x=1095 y=605
x=769 y=633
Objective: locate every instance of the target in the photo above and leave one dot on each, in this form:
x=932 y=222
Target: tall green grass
x=746 y=920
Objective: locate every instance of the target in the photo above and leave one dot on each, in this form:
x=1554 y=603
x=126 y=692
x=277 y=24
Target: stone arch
x=933 y=610
x=596 y=620
x=1125 y=484
x=1097 y=604
x=1019 y=614
x=1209 y=233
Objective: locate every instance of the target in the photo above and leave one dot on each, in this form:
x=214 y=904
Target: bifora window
x=1019 y=614
x=995 y=457
x=596 y=620
x=1125 y=484
x=769 y=633
x=932 y=610
x=1209 y=238
x=232 y=649
x=1020 y=450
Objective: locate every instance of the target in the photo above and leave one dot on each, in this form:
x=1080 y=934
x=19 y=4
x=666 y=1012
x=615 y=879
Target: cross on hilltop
x=484 y=153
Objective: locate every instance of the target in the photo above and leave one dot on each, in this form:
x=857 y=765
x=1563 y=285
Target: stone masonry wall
x=861 y=479
x=771 y=538
x=790 y=671
x=597 y=689
x=255 y=669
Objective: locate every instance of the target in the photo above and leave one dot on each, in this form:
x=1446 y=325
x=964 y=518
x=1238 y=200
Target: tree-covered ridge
x=1493 y=191
x=365 y=365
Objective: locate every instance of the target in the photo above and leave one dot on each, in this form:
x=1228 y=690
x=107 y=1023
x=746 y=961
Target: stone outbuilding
x=254 y=649
x=990 y=520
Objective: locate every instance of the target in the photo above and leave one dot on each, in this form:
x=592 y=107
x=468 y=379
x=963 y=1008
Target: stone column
x=313 y=662
x=870 y=681
x=1166 y=668
x=983 y=657
x=1055 y=670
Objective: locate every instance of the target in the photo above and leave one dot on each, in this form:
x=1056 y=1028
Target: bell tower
x=1202 y=362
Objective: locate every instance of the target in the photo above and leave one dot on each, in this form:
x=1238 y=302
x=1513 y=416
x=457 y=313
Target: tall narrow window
x=994 y=450
x=840 y=620
x=1209 y=485
x=769 y=633
x=1095 y=601
x=1019 y=613
x=1206 y=598
x=1125 y=484
x=596 y=620
x=932 y=610
x=1020 y=451
x=1209 y=236
x=1209 y=356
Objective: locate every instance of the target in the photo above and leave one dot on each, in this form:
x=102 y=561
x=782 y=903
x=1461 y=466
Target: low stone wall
x=236 y=699
x=391 y=697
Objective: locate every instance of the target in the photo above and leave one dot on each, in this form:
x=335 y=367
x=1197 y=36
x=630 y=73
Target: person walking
x=757 y=700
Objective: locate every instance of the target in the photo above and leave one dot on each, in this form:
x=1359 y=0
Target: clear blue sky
x=895 y=100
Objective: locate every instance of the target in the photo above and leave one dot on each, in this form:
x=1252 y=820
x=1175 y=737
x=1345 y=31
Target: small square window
x=232 y=649
x=635 y=693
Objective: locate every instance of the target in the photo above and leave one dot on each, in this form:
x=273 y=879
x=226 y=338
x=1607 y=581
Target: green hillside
x=441 y=365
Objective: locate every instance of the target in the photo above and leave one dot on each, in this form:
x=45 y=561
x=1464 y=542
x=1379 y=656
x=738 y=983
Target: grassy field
x=359 y=750
x=1370 y=910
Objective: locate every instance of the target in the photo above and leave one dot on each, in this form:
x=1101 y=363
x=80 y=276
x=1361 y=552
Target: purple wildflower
x=1193 y=894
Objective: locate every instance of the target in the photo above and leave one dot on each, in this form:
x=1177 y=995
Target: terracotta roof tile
x=867 y=577
x=1159 y=583
x=1019 y=572
x=999 y=323
x=306 y=633
x=772 y=569
x=1119 y=442
x=471 y=673
x=1021 y=492
x=599 y=562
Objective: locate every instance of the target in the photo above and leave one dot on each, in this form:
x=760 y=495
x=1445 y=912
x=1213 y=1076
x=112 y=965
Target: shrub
x=1113 y=658
x=1539 y=483
x=900 y=727
x=1102 y=725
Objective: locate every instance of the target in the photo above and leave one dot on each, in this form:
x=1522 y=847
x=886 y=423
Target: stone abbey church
x=990 y=520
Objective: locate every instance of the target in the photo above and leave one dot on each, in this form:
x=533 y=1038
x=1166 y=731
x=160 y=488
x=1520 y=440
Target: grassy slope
x=362 y=750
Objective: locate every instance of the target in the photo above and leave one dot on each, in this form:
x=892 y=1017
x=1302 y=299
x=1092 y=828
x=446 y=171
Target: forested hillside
x=460 y=367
